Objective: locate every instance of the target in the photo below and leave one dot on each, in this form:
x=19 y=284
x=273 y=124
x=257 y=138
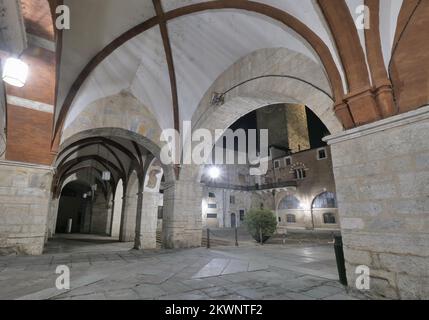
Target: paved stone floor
x=102 y=269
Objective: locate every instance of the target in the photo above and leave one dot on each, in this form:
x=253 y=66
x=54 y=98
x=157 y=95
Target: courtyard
x=141 y=140
x=101 y=269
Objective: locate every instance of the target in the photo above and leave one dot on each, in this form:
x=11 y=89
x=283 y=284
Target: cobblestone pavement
x=112 y=271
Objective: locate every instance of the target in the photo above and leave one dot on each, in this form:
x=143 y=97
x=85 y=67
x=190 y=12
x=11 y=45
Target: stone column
x=52 y=218
x=182 y=223
x=24 y=205
x=109 y=225
x=128 y=224
x=138 y=230
x=382 y=178
x=147 y=222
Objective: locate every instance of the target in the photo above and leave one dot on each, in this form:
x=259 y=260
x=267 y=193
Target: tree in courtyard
x=261 y=223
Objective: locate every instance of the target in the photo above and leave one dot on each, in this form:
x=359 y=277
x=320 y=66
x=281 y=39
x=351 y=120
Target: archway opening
x=120 y=177
x=74 y=209
x=296 y=171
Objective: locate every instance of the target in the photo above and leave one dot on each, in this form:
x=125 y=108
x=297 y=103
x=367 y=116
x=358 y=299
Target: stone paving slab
x=265 y=272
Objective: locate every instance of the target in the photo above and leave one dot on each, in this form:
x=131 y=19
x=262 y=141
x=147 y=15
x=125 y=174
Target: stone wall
x=382 y=177
x=24 y=207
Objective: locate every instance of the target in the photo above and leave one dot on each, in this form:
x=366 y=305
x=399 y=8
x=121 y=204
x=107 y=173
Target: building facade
x=299 y=188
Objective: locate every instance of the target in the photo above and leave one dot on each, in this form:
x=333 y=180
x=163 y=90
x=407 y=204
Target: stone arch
x=289 y=202
x=151 y=145
x=324 y=198
x=265 y=77
x=327 y=206
x=122 y=110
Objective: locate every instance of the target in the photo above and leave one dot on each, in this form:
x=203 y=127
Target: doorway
x=233 y=220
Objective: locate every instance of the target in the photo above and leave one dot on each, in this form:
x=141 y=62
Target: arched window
x=329 y=218
x=289 y=202
x=325 y=200
x=291 y=218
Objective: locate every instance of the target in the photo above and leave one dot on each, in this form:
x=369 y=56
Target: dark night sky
x=317 y=130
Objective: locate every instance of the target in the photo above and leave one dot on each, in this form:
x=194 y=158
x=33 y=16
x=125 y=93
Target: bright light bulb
x=15 y=72
x=214 y=172
x=106 y=176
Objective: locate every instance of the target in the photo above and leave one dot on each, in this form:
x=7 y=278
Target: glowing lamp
x=214 y=173
x=15 y=72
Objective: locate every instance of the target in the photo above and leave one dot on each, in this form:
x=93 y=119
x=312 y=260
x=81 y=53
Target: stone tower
x=288 y=126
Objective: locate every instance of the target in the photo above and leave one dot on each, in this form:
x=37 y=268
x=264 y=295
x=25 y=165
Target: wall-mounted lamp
x=218 y=99
x=106 y=176
x=15 y=72
x=214 y=173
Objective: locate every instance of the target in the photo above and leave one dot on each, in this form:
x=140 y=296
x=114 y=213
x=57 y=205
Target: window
x=241 y=215
x=232 y=200
x=212 y=206
x=276 y=164
x=212 y=195
x=321 y=154
x=326 y=200
x=289 y=202
x=211 y=216
x=288 y=161
x=329 y=218
x=291 y=218
x=280 y=219
x=300 y=174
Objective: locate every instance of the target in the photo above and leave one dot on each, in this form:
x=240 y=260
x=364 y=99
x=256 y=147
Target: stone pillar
x=24 y=205
x=182 y=223
x=146 y=234
x=109 y=225
x=138 y=224
x=52 y=218
x=128 y=224
x=382 y=178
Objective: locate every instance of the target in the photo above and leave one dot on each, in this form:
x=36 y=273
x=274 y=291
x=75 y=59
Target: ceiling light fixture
x=15 y=72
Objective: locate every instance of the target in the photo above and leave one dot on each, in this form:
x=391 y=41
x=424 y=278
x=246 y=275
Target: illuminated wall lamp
x=106 y=176
x=15 y=72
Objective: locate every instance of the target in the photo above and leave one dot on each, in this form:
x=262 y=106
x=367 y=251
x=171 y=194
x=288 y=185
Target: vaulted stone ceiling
x=200 y=45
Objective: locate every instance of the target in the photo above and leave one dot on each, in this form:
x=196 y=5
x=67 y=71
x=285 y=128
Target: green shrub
x=261 y=220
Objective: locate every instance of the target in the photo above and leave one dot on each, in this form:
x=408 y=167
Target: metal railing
x=225 y=242
x=284 y=184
